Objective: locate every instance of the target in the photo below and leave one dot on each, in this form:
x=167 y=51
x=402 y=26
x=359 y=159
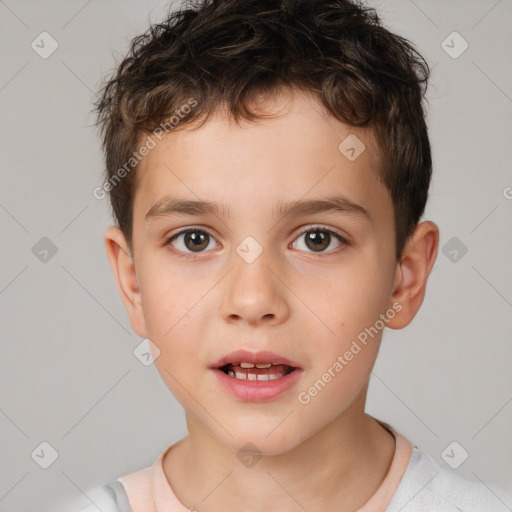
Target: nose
x=254 y=294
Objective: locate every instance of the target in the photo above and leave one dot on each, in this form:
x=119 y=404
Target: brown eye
x=195 y=240
x=318 y=239
x=191 y=240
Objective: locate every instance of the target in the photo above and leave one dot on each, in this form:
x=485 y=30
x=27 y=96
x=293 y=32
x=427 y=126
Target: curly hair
x=227 y=53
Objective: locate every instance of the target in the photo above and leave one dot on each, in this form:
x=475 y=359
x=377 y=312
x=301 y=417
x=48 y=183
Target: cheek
x=346 y=308
x=177 y=312
x=337 y=380
x=343 y=299
x=171 y=301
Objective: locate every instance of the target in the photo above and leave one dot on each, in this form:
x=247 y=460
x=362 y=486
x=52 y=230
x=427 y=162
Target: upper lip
x=244 y=356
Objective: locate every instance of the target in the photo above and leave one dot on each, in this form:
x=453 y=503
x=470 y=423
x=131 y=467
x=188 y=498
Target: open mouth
x=259 y=371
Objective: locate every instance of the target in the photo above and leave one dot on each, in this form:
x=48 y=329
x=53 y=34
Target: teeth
x=253 y=376
x=254 y=372
x=258 y=365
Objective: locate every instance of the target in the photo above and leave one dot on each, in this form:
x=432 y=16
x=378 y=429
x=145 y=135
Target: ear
x=412 y=273
x=123 y=267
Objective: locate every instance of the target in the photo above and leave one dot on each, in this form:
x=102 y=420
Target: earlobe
x=413 y=271
x=123 y=267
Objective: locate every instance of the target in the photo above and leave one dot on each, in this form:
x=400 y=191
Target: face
x=304 y=285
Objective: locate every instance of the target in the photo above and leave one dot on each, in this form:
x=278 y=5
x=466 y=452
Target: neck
x=339 y=467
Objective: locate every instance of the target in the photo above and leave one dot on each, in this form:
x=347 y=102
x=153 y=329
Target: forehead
x=300 y=151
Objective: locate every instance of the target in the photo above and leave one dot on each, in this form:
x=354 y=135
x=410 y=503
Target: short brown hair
x=228 y=52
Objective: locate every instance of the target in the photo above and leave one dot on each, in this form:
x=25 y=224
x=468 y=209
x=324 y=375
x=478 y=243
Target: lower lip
x=258 y=390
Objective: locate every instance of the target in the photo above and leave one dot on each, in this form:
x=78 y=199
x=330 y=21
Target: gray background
x=68 y=375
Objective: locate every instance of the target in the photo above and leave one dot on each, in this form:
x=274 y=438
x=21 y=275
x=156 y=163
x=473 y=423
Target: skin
x=305 y=305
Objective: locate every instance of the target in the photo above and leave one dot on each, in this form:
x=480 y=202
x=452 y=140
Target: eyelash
x=191 y=256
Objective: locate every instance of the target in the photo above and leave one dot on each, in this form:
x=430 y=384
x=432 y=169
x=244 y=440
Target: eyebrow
x=336 y=204
x=176 y=206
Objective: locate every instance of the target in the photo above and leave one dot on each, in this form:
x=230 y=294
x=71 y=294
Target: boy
x=268 y=163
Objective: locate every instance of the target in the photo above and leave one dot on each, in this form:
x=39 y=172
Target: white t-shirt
x=414 y=483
